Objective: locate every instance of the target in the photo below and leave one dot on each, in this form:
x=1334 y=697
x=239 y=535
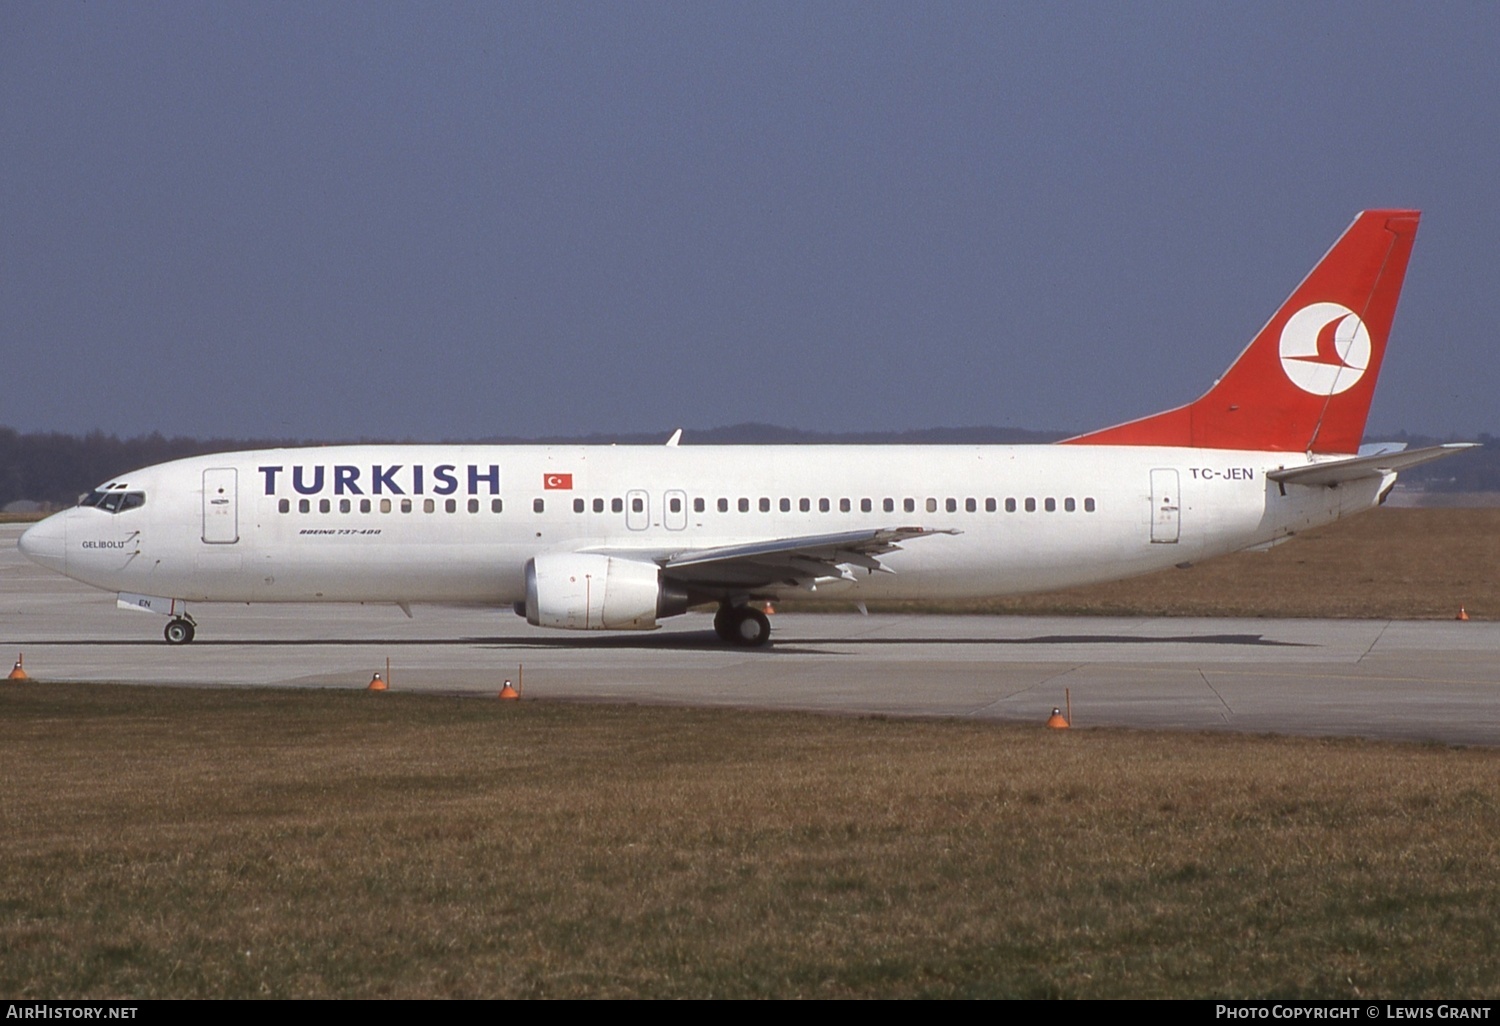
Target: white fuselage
x=459 y=523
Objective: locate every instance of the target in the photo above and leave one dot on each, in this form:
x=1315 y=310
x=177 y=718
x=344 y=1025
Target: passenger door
x=221 y=521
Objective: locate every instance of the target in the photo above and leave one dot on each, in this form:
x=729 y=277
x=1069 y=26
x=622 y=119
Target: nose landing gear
x=180 y=630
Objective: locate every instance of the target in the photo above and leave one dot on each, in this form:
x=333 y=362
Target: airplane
x=622 y=537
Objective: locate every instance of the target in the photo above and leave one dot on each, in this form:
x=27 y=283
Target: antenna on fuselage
x=676 y=437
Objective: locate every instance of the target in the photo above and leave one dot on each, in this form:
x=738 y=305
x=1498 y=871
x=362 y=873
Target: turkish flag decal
x=558 y=481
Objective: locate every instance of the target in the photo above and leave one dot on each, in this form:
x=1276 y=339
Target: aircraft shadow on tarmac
x=707 y=641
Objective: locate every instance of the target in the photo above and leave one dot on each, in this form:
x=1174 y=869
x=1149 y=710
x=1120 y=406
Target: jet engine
x=590 y=592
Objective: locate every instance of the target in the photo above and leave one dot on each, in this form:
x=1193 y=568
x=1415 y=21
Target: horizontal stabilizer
x=1378 y=465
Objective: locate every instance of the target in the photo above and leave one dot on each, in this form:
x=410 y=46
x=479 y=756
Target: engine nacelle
x=590 y=592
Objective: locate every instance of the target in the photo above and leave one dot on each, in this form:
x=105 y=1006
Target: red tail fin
x=1305 y=382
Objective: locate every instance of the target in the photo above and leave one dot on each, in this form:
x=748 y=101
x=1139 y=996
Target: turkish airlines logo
x=557 y=481
x=1325 y=348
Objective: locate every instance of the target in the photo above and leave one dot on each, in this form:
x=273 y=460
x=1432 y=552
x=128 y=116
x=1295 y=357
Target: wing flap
x=865 y=543
x=796 y=561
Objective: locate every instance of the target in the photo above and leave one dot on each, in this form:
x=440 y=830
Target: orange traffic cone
x=1462 y=615
x=377 y=683
x=19 y=672
x=509 y=693
x=1057 y=721
x=770 y=609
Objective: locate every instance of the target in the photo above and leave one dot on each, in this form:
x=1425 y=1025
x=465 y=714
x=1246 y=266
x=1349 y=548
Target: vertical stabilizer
x=1305 y=382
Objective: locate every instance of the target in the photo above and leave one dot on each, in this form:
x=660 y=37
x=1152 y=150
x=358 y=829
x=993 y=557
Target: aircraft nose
x=46 y=543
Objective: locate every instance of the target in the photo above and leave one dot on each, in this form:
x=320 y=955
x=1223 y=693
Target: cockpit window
x=114 y=502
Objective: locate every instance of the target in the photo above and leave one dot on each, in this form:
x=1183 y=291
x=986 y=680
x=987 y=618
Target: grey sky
x=445 y=221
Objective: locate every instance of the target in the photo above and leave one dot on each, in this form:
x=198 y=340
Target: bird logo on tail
x=1325 y=348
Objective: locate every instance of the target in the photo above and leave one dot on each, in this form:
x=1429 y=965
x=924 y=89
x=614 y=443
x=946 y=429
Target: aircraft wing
x=1336 y=471
x=795 y=562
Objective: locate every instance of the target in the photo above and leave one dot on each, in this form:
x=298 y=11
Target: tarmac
x=1430 y=681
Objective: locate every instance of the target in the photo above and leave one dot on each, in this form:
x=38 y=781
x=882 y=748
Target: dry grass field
x=1385 y=564
x=239 y=843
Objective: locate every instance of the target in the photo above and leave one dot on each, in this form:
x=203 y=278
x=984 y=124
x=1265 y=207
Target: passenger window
x=304 y=505
x=497 y=506
x=617 y=505
x=345 y=505
x=638 y=505
x=1010 y=505
x=385 y=505
x=451 y=506
x=598 y=505
x=406 y=505
x=697 y=505
x=1051 y=505
x=1088 y=505
x=723 y=505
x=932 y=505
x=889 y=505
x=865 y=505
x=744 y=505
x=324 y=505
x=910 y=505
x=364 y=505
x=765 y=505
x=285 y=505
x=474 y=505
x=579 y=506
x=970 y=506
x=786 y=505
x=675 y=505
x=538 y=505
x=989 y=505
x=804 y=505
x=1031 y=505
x=843 y=505
x=951 y=505
x=1069 y=505
x=429 y=505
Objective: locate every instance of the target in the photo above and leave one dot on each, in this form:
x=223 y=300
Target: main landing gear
x=180 y=630
x=742 y=625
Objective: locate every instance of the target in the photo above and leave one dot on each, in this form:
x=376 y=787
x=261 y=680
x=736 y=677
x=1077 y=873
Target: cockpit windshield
x=113 y=502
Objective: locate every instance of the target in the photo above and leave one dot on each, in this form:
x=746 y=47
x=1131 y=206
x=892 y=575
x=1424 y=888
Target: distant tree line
x=54 y=469
x=1475 y=471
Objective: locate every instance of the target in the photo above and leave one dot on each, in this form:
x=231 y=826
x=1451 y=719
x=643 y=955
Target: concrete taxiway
x=1423 y=681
